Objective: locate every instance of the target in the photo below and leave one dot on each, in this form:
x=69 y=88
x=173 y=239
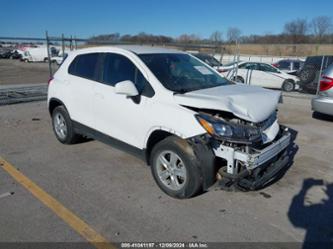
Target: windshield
x=182 y=73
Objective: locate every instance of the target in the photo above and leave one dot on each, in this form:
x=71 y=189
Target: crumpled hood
x=254 y=104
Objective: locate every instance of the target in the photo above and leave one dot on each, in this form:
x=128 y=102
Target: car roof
x=137 y=49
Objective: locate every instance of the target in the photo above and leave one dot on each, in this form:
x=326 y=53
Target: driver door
x=117 y=115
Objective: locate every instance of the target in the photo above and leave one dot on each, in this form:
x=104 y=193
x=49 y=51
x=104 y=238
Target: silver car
x=323 y=102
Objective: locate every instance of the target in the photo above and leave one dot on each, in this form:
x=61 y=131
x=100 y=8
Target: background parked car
x=58 y=59
x=5 y=54
x=261 y=74
x=289 y=66
x=208 y=59
x=310 y=73
x=323 y=102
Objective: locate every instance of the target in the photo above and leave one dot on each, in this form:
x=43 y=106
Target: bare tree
x=233 y=34
x=321 y=26
x=216 y=37
x=188 y=38
x=297 y=29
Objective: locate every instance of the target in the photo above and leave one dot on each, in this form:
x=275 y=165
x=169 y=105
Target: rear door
x=82 y=74
x=116 y=115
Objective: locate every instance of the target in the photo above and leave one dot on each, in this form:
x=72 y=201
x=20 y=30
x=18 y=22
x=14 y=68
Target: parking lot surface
x=115 y=193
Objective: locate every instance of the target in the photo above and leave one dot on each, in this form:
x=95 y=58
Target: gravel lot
x=116 y=195
x=18 y=72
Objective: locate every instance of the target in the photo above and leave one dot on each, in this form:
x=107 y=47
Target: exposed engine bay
x=248 y=149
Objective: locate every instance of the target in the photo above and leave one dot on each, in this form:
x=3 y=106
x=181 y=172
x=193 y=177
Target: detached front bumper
x=257 y=167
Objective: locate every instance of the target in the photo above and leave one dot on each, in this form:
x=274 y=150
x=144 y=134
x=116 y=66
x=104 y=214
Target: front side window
x=267 y=68
x=181 y=72
x=118 y=68
x=84 y=66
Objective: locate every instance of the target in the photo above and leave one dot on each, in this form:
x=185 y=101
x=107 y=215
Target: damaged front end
x=248 y=154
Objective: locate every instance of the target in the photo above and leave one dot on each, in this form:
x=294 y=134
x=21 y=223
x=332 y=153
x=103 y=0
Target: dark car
x=290 y=66
x=208 y=59
x=15 y=55
x=5 y=54
x=309 y=74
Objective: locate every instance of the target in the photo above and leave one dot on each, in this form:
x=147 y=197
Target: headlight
x=228 y=131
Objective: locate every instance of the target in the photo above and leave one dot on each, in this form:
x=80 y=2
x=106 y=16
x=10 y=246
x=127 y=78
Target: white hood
x=251 y=103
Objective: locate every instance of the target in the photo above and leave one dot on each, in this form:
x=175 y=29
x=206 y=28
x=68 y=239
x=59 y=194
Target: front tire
x=63 y=126
x=288 y=86
x=174 y=168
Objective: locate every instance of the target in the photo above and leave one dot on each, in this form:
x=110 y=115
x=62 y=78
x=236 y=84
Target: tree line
x=298 y=31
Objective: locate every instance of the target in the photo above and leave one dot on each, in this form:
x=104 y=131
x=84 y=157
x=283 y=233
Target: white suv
x=191 y=125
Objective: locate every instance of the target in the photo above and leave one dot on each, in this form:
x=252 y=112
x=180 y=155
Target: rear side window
x=84 y=66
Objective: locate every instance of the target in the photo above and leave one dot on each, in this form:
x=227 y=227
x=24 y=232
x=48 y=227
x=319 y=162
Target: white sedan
x=261 y=74
x=58 y=59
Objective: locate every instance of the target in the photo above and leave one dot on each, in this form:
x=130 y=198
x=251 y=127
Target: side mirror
x=127 y=88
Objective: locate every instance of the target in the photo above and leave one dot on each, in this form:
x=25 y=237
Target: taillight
x=275 y=65
x=222 y=70
x=325 y=83
x=50 y=79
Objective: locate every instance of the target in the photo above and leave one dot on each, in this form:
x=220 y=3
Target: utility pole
x=63 y=45
x=48 y=53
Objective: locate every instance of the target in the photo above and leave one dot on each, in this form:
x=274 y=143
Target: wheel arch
x=153 y=138
x=53 y=103
x=204 y=153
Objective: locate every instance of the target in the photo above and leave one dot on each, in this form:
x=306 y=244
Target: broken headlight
x=229 y=131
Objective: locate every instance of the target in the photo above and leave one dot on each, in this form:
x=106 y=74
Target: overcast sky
x=167 y=17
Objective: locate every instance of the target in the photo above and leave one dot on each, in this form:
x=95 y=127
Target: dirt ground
x=18 y=72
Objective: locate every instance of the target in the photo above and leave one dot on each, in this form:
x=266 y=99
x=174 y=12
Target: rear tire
x=174 y=168
x=63 y=126
x=288 y=86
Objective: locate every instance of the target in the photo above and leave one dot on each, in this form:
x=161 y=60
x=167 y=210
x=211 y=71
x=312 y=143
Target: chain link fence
x=225 y=53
